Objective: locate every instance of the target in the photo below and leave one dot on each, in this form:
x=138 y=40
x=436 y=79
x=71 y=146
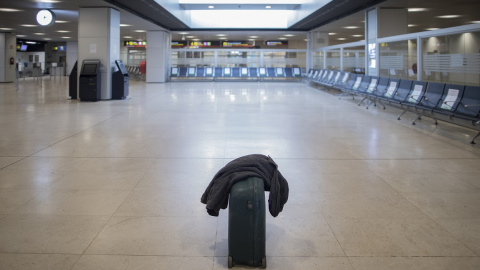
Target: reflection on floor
x=117 y=184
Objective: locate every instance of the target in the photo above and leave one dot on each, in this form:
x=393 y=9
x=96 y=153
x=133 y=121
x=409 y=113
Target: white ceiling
x=68 y=11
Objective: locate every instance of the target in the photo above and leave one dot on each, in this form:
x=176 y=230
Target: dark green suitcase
x=246 y=223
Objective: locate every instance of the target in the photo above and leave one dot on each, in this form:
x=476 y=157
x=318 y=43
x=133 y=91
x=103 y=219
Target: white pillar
x=8 y=51
x=99 y=38
x=72 y=55
x=158 y=56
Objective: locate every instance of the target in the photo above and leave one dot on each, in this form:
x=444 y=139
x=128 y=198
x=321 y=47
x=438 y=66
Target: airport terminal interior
x=114 y=180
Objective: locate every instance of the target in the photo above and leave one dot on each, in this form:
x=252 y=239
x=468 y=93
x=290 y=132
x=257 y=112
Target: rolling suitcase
x=246 y=223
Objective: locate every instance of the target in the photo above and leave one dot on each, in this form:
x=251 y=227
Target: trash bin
x=246 y=223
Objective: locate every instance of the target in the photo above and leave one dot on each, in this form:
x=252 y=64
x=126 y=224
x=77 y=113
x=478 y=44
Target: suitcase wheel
x=230 y=262
x=264 y=262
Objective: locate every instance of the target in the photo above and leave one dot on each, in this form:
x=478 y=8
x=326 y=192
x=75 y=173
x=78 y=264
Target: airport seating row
x=234 y=73
x=453 y=103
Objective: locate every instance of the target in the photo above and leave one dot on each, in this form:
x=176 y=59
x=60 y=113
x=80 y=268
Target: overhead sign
x=136 y=44
x=277 y=43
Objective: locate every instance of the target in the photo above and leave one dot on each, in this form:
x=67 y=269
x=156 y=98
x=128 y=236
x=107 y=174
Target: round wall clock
x=45 y=17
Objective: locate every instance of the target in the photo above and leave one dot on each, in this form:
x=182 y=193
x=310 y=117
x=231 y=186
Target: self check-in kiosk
x=90 y=84
x=72 y=82
x=120 y=81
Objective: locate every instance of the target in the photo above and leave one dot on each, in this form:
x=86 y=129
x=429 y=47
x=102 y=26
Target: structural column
x=381 y=22
x=99 y=38
x=8 y=52
x=158 y=56
x=72 y=55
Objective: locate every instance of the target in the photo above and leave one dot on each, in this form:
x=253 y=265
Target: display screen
x=23 y=48
x=89 y=69
x=121 y=67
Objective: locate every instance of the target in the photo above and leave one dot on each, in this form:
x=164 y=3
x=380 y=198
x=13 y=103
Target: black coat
x=216 y=194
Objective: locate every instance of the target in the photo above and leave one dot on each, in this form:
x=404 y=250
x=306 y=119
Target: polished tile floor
x=117 y=184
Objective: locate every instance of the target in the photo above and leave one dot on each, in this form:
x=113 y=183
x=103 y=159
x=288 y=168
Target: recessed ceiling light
x=127 y=37
x=412 y=25
x=190 y=36
x=39 y=34
x=183 y=33
x=66 y=37
x=211 y=6
x=289 y=35
x=196 y=39
x=417 y=9
x=9 y=10
x=61 y=21
x=221 y=35
x=253 y=36
x=124 y=25
x=449 y=16
x=21 y=35
x=140 y=31
x=351 y=27
x=268 y=6
x=222 y=38
x=47 y=39
x=28 y=25
x=252 y=39
x=341 y=38
x=282 y=38
x=357 y=35
x=31 y=42
x=6 y=29
x=431 y=29
x=332 y=34
x=63 y=31
x=475 y=22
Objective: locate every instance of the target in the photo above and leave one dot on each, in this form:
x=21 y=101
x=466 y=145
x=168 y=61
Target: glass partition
x=398 y=59
x=238 y=59
x=333 y=59
x=193 y=58
x=354 y=59
x=452 y=58
x=318 y=60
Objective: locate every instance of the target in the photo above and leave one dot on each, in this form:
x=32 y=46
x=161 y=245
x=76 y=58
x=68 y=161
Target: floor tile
x=446 y=205
x=99 y=180
x=172 y=236
x=32 y=179
x=466 y=230
x=48 y=233
x=417 y=263
x=396 y=237
x=387 y=204
x=114 y=262
x=37 y=261
x=6 y=161
x=160 y=202
x=75 y=202
x=422 y=182
x=116 y=164
x=11 y=199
